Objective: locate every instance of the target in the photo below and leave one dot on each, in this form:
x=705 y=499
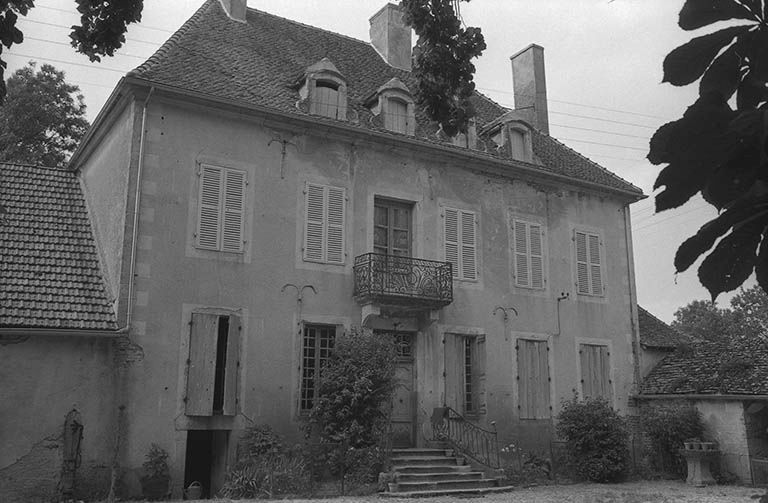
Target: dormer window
x=325 y=90
x=393 y=102
x=512 y=136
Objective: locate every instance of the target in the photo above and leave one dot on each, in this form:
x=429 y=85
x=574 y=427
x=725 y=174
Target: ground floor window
x=317 y=343
x=595 y=371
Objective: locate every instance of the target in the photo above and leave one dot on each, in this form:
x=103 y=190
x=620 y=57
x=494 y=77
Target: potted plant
x=157 y=478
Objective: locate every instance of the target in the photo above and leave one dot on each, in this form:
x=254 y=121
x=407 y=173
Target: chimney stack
x=391 y=37
x=235 y=9
x=530 y=86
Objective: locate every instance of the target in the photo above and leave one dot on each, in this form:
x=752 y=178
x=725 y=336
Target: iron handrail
x=466 y=437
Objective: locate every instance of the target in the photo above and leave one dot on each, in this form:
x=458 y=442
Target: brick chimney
x=391 y=37
x=235 y=9
x=530 y=86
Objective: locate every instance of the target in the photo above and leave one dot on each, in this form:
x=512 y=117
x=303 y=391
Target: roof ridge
x=172 y=41
x=606 y=170
x=664 y=322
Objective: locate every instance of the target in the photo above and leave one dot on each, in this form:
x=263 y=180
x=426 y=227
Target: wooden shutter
x=533 y=379
x=595 y=371
x=478 y=379
x=201 y=365
x=451 y=238
x=325 y=100
x=314 y=223
x=454 y=369
x=209 y=211
x=234 y=211
x=232 y=368
x=537 y=256
x=595 y=267
x=335 y=228
x=582 y=267
x=468 y=255
x=522 y=277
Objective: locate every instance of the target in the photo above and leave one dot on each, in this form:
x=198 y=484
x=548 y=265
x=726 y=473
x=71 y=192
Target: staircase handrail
x=471 y=440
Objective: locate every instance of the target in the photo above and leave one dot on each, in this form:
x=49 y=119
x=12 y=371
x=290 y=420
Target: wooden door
x=404 y=398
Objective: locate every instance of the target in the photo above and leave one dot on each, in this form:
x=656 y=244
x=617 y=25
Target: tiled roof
x=732 y=367
x=654 y=333
x=259 y=63
x=49 y=269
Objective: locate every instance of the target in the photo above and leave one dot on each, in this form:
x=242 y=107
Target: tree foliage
x=42 y=119
x=101 y=32
x=442 y=62
x=717 y=149
x=356 y=384
x=746 y=318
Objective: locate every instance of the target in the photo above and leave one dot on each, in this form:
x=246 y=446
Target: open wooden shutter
x=521 y=254
x=314 y=223
x=451 y=238
x=454 y=370
x=595 y=267
x=478 y=379
x=582 y=268
x=335 y=229
x=605 y=373
x=201 y=365
x=537 y=256
x=209 y=210
x=232 y=369
x=533 y=379
x=468 y=252
x=234 y=211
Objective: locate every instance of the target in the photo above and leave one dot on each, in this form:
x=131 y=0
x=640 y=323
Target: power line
x=600 y=131
x=25 y=20
x=92 y=67
x=670 y=217
x=69 y=11
x=69 y=46
x=603 y=144
x=616 y=158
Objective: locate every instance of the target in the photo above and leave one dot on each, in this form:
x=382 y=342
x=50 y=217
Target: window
x=317 y=343
x=589 y=273
x=212 y=366
x=529 y=254
x=396 y=116
x=460 y=245
x=324 y=223
x=221 y=209
x=465 y=373
x=518 y=145
x=325 y=100
x=391 y=228
x=595 y=371
x=533 y=379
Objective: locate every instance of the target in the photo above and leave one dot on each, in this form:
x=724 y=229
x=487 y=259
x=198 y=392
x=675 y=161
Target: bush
x=667 y=427
x=268 y=475
x=258 y=440
x=595 y=439
x=356 y=384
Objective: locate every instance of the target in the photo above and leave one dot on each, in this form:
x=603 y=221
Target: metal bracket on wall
x=504 y=310
x=299 y=297
x=284 y=143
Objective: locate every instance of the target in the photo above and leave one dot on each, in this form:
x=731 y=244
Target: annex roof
x=734 y=367
x=49 y=271
x=656 y=334
x=259 y=62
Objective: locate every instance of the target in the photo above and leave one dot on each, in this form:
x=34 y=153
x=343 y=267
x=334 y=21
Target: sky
x=603 y=70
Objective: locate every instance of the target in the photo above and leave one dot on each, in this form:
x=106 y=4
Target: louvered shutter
x=537 y=256
x=232 y=366
x=478 y=379
x=521 y=254
x=234 y=211
x=335 y=229
x=201 y=364
x=468 y=255
x=209 y=210
x=582 y=267
x=451 y=237
x=595 y=265
x=314 y=223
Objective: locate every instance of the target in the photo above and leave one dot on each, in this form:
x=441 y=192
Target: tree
x=101 y=32
x=718 y=150
x=442 y=62
x=43 y=118
x=746 y=318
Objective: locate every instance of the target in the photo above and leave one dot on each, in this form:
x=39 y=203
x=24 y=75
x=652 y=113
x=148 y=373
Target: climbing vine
x=442 y=61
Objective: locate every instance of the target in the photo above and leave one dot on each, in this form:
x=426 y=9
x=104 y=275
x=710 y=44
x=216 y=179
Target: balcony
x=402 y=284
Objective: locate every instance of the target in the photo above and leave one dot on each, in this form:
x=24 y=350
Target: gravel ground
x=630 y=492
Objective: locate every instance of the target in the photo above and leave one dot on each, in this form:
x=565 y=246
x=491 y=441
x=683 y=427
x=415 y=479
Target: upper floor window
x=325 y=89
x=529 y=254
x=460 y=245
x=396 y=118
x=325 y=101
x=393 y=101
x=589 y=263
x=391 y=228
x=221 y=209
x=324 y=224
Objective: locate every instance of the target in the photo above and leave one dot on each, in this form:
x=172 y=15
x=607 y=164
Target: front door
x=404 y=398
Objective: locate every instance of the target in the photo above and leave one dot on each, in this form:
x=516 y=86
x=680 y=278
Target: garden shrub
x=667 y=427
x=257 y=440
x=595 y=439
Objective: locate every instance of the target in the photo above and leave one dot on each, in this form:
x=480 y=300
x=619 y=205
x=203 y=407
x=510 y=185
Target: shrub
x=154 y=483
x=595 y=439
x=257 y=440
x=356 y=384
x=667 y=427
x=270 y=474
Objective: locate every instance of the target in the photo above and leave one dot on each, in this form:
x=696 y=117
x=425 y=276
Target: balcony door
x=392 y=228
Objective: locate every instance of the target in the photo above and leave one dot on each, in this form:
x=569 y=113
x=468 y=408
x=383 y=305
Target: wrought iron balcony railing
x=403 y=282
